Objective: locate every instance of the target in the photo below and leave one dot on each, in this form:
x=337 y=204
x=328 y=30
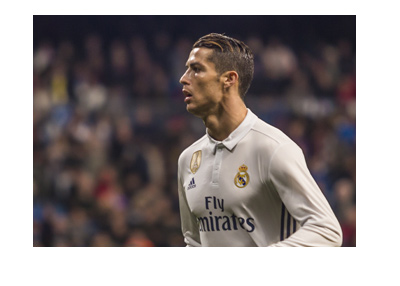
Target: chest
x=225 y=182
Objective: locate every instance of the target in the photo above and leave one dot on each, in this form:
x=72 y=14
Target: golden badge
x=242 y=178
x=195 y=162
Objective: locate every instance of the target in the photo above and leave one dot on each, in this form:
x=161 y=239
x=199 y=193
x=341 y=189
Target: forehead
x=199 y=55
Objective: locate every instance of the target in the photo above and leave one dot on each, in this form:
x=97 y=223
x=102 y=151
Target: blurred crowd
x=109 y=123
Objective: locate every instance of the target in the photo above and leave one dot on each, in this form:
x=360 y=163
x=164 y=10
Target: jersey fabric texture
x=252 y=189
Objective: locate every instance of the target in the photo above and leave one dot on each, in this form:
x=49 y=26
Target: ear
x=230 y=78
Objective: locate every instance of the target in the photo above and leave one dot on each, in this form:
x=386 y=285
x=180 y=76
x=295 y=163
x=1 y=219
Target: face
x=202 y=85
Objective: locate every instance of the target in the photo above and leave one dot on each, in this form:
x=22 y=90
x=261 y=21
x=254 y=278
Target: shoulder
x=269 y=132
x=279 y=152
x=268 y=138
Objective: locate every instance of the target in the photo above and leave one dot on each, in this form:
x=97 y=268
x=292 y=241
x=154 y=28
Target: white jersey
x=252 y=189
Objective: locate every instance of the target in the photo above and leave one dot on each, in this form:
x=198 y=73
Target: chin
x=191 y=109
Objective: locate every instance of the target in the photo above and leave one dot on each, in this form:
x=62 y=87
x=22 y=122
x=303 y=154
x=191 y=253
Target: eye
x=196 y=69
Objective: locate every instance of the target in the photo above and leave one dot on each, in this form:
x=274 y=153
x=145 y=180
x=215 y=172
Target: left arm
x=299 y=192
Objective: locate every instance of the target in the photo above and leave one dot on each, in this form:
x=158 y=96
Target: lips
x=187 y=95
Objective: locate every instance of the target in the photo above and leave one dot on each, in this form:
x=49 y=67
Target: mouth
x=187 y=95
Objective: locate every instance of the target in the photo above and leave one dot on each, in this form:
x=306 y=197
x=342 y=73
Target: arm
x=304 y=200
x=189 y=224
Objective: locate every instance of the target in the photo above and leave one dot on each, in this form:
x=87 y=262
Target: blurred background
x=109 y=121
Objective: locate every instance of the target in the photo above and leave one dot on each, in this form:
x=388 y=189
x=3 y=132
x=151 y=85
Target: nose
x=184 y=80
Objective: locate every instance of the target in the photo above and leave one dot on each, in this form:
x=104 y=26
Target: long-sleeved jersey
x=252 y=189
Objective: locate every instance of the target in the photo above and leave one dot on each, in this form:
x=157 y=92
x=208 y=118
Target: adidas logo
x=192 y=184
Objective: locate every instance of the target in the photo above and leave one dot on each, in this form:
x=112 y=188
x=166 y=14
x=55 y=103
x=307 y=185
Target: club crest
x=242 y=178
x=195 y=162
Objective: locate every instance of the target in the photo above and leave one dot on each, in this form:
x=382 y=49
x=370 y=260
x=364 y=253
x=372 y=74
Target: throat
x=220 y=127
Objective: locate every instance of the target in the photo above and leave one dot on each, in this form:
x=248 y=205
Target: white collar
x=233 y=139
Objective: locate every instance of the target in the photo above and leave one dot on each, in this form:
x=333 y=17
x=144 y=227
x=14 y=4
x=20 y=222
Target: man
x=244 y=183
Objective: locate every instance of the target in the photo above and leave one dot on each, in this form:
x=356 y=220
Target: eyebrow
x=194 y=64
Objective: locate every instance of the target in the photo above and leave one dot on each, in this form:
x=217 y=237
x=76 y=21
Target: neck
x=226 y=119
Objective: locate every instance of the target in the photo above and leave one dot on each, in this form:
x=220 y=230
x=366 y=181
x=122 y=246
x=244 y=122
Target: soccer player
x=244 y=183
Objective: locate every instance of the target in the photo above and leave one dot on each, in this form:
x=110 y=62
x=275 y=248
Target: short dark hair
x=230 y=54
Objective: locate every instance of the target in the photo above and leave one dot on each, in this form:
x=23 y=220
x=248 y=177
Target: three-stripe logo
x=192 y=184
x=288 y=223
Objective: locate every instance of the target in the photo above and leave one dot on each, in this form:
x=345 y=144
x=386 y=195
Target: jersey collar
x=233 y=139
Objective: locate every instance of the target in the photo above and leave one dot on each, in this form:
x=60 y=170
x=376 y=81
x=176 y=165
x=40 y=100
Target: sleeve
x=303 y=199
x=189 y=224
